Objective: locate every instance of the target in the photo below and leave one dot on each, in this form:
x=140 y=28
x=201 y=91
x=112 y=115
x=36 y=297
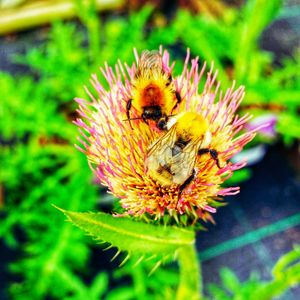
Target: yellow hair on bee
x=190 y=125
x=153 y=89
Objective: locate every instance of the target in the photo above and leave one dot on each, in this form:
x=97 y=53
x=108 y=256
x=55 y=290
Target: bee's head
x=162 y=123
x=152 y=112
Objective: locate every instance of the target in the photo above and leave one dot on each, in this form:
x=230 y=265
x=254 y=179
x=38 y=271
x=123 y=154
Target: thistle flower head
x=117 y=152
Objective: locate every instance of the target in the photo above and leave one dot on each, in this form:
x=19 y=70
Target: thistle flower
x=117 y=153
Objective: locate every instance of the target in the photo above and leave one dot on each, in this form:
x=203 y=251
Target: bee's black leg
x=187 y=182
x=170 y=79
x=128 y=107
x=213 y=153
x=178 y=97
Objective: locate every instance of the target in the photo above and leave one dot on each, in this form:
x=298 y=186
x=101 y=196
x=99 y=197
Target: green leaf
x=218 y=293
x=229 y=280
x=121 y=293
x=132 y=236
x=285 y=261
x=99 y=286
x=286 y=275
x=257 y=15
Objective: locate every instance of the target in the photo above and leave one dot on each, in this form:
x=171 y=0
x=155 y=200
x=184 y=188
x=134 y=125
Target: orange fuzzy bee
x=154 y=95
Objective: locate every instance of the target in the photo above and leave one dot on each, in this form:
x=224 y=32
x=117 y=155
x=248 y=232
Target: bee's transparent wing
x=150 y=60
x=159 y=158
x=163 y=144
x=182 y=164
x=149 y=63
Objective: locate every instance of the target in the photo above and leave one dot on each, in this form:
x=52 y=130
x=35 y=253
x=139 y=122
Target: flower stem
x=190 y=281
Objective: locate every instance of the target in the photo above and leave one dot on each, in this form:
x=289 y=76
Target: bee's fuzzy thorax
x=192 y=125
x=158 y=83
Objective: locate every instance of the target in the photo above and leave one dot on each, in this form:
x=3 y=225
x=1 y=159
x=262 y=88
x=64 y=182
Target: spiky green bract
x=132 y=236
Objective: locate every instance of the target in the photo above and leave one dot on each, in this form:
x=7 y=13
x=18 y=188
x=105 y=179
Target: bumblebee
x=154 y=95
x=171 y=158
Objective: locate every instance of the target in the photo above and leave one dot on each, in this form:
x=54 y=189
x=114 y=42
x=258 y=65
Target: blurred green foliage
x=40 y=166
x=286 y=274
x=232 y=43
